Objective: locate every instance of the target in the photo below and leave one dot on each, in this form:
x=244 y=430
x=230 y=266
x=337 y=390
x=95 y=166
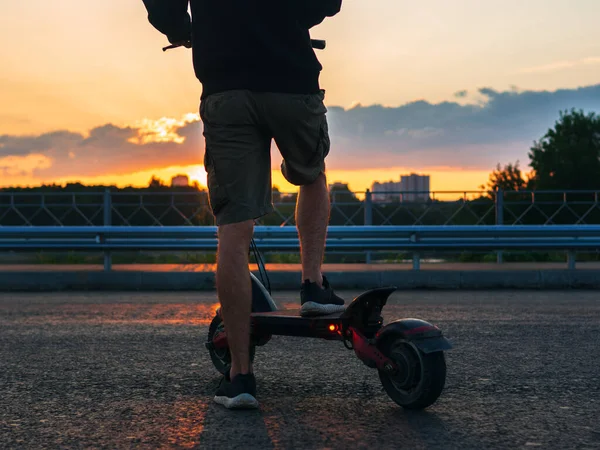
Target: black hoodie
x=259 y=45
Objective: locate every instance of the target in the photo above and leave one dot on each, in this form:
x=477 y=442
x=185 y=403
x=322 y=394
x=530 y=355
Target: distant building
x=180 y=181
x=337 y=186
x=415 y=188
x=388 y=191
x=410 y=188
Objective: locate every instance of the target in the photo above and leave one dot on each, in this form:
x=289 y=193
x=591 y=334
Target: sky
x=444 y=88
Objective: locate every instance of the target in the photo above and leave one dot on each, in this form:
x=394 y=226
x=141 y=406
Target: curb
x=205 y=281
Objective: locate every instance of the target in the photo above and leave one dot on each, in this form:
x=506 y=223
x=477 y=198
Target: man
x=260 y=79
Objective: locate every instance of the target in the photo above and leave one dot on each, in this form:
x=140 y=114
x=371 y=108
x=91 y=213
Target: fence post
x=571 y=259
x=499 y=218
x=416 y=261
x=368 y=217
x=107 y=222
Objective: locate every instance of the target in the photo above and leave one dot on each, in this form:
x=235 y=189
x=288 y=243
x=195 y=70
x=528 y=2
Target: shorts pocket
x=314 y=103
x=216 y=192
x=324 y=144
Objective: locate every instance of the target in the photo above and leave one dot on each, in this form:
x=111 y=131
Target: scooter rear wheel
x=221 y=358
x=421 y=377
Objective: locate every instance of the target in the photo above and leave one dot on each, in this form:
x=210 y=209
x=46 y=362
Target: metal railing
x=414 y=239
x=191 y=208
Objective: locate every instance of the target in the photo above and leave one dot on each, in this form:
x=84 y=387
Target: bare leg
x=312 y=217
x=235 y=291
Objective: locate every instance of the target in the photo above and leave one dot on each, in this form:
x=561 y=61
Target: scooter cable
x=261 y=266
x=264 y=269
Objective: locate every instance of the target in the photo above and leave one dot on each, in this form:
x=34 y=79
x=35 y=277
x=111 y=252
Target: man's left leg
x=235 y=295
x=235 y=291
x=238 y=165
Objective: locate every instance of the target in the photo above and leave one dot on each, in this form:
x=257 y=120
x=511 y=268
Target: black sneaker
x=318 y=301
x=238 y=393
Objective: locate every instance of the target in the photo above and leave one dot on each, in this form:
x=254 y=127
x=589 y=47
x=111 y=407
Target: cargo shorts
x=239 y=127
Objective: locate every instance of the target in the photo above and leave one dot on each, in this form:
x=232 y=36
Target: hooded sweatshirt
x=258 y=45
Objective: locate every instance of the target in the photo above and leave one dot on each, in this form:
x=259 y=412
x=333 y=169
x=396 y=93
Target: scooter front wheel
x=221 y=357
x=420 y=377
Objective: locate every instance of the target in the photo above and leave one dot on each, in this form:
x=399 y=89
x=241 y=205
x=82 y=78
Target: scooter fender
x=426 y=337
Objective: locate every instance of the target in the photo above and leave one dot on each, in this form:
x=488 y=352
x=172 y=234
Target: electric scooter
x=408 y=354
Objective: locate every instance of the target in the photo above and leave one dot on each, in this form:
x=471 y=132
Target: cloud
x=13 y=166
x=560 y=65
x=109 y=135
x=501 y=128
x=24 y=145
x=420 y=134
x=14 y=119
x=165 y=129
x=107 y=149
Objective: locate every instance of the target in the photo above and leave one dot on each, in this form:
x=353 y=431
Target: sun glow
x=197 y=173
x=194 y=172
x=161 y=130
x=13 y=165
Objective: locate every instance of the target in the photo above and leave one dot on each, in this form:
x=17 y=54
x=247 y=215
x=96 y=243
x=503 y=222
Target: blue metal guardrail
x=415 y=239
x=148 y=207
x=140 y=209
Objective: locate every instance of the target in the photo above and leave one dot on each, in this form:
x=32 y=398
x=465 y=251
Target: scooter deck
x=290 y=323
x=295 y=314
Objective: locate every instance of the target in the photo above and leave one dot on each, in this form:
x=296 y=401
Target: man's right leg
x=300 y=129
x=312 y=217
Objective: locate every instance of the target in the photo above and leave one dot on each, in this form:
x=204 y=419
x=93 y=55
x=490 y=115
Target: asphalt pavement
x=129 y=370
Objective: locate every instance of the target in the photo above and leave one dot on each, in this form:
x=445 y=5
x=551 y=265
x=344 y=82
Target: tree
x=275 y=194
x=341 y=193
x=155 y=182
x=568 y=156
x=509 y=178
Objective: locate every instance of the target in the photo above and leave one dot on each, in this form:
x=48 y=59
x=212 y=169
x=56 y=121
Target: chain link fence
x=190 y=207
x=153 y=208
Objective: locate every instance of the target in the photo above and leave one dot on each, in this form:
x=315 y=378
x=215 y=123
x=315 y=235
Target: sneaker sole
x=318 y=309
x=242 y=401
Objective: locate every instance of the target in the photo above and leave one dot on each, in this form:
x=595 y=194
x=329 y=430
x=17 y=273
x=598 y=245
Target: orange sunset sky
x=449 y=89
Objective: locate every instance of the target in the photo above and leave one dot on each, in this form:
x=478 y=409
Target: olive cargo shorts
x=238 y=128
